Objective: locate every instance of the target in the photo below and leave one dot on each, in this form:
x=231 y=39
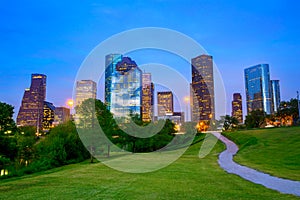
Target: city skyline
x=237 y=34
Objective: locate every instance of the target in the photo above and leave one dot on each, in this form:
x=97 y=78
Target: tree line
x=287 y=115
x=21 y=152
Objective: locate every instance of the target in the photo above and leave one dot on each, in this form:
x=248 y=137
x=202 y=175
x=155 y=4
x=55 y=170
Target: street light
x=187 y=101
x=70 y=103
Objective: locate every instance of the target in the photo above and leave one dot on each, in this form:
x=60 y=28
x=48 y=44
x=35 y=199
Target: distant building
x=48 y=116
x=165 y=103
x=85 y=89
x=258 y=88
x=111 y=61
x=147 y=97
x=124 y=90
x=31 y=110
x=237 y=107
x=177 y=118
x=202 y=90
x=275 y=94
x=61 y=115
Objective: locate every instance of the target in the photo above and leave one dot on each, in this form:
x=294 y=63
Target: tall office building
x=61 y=115
x=124 y=91
x=275 y=94
x=111 y=61
x=48 y=116
x=165 y=103
x=258 y=88
x=202 y=89
x=31 y=110
x=147 y=97
x=85 y=89
x=237 y=107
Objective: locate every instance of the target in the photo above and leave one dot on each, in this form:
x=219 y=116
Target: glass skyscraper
x=202 y=89
x=258 y=88
x=31 y=110
x=275 y=94
x=123 y=86
x=111 y=61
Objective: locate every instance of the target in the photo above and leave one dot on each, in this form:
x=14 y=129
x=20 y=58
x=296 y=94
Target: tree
x=61 y=146
x=90 y=112
x=8 y=145
x=7 y=124
x=25 y=140
x=255 y=119
x=288 y=109
x=229 y=122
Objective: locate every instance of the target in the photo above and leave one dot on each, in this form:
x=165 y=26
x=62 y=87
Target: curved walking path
x=226 y=162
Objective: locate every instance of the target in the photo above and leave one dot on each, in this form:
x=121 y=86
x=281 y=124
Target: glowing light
x=186 y=99
x=70 y=103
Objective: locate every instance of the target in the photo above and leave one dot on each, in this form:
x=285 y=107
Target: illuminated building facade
x=124 y=95
x=48 y=116
x=85 y=89
x=31 y=110
x=258 y=88
x=111 y=61
x=275 y=94
x=237 y=107
x=147 y=97
x=61 y=115
x=202 y=90
x=165 y=103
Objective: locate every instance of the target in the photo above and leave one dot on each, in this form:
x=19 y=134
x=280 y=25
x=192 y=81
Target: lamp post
x=70 y=103
x=187 y=101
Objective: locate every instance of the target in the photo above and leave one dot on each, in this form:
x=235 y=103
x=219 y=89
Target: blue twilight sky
x=54 y=37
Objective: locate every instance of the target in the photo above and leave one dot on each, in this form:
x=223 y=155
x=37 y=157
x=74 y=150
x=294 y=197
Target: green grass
x=187 y=178
x=275 y=151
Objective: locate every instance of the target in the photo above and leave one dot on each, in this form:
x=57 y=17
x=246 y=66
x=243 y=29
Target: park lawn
x=275 y=151
x=187 y=178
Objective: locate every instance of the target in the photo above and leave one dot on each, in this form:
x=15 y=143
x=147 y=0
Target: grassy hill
x=187 y=178
x=275 y=151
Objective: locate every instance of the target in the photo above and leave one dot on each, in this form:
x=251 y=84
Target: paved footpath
x=226 y=162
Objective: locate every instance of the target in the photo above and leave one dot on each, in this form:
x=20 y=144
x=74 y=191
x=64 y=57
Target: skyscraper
x=165 y=103
x=202 y=89
x=111 y=61
x=31 y=110
x=124 y=94
x=258 y=88
x=147 y=97
x=85 y=89
x=275 y=94
x=48 y=116
x=237 y=107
